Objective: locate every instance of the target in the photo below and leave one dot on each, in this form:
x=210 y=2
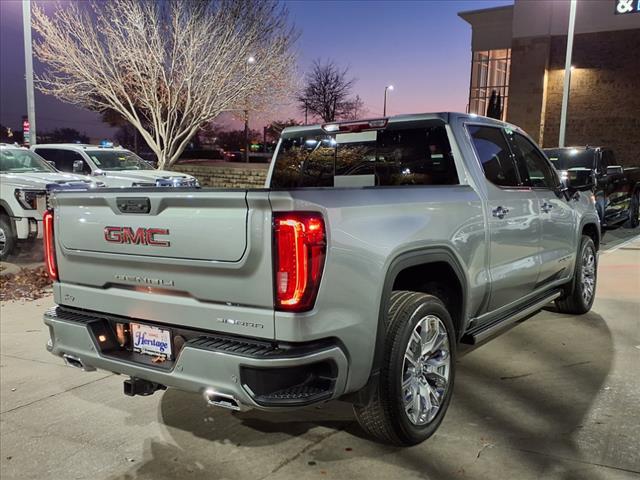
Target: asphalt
x=557 y=397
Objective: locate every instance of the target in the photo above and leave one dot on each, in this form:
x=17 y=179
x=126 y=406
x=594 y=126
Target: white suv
x=116 y=167
x=25 y=181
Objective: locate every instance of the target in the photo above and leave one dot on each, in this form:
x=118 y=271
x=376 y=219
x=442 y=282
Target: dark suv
x=617 y=189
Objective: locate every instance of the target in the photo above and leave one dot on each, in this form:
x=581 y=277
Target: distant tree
x=166 y=67
x=274 y=129
x=63 y=135
x=233 y=140
x=355 y=109
x=7 y=135
x=326 y=92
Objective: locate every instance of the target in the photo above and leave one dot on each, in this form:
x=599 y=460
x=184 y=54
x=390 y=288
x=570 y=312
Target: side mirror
x=53 y=164
x=98 y=173
x=615 y=170
x=578 y=179
x=78 y=166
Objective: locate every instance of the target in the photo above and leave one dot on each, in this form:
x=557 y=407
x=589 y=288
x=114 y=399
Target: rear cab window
x=403 y=153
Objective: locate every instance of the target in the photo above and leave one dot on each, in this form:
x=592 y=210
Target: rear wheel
x=416 y=379
x=7 y=238
x=582 y=290
x=634 y=211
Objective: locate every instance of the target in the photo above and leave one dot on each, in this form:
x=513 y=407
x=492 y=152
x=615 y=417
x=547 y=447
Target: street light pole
x=384 y=108
x=250 y=61
x=567 y=74
x=28 y=67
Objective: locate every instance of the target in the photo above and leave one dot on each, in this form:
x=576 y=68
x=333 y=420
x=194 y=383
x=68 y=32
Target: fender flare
x=7 y=209
x=591 y=220
x=399 y=263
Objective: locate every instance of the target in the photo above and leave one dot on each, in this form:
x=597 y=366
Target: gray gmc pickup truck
x=378 y=248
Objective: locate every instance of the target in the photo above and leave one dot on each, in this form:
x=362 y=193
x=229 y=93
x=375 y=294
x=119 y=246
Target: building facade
x=519 y=52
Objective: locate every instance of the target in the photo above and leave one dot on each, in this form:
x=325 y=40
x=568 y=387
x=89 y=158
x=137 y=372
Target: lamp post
x=28 y=67
x=567 y=74
x=250 y=61
x=384 y=108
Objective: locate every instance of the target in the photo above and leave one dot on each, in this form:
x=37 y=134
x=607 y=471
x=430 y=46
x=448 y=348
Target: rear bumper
x=258 y=374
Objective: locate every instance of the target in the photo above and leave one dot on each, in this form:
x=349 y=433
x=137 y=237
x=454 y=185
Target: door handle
x=546 y=207
x=500 y=212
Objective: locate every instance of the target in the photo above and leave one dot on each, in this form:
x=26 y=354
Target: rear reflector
x=49 y=245
x=300 y=247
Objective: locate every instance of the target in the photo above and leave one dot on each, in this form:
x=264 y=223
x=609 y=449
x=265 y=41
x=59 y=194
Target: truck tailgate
x=170 y=256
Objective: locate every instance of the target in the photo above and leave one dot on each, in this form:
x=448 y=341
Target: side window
x=67 y=158
x=533 y=167
x=608 y=159
x=493 y=152
x=49 y=154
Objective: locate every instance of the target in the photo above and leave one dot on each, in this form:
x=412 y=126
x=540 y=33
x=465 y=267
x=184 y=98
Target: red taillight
x=300 y=246
x=49 y=245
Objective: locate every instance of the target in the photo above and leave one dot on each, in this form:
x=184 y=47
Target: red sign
x=25 y=126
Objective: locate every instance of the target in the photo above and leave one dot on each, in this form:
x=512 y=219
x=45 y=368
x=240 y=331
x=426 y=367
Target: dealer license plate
x=151 y=340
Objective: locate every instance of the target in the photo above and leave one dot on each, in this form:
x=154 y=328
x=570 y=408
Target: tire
x=392 y=416
x=582 y=289
x=7 y=238
x=634 y=211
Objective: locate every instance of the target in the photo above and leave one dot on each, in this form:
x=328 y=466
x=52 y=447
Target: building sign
x=627 y=6
x=25 y=130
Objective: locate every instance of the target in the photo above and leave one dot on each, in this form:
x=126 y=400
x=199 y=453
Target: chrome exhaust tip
x=76 y=362
x=224 y=400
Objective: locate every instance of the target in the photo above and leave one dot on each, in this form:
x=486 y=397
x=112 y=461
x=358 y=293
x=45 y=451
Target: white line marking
x=631 y=240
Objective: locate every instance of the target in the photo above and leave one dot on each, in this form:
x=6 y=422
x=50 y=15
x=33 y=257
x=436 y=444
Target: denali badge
x=142 y=236
x=156 y=282
x=240 y=323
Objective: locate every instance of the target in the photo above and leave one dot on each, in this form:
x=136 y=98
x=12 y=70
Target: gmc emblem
x=142 y=236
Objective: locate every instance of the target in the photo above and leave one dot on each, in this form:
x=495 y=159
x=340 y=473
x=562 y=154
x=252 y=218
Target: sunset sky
x=422 y=48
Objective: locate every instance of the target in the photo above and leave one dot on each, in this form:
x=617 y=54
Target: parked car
x=25 y=181
x=617 y=189
x=116 y=167
x=378 y=247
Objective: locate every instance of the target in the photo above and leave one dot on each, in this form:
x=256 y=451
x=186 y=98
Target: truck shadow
x=527 y=394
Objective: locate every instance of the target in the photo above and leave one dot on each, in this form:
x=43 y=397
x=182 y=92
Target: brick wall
x=604 y=102
x=529 y=58
x=227 y=175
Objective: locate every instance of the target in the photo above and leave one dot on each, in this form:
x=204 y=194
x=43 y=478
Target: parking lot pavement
x=555 y=397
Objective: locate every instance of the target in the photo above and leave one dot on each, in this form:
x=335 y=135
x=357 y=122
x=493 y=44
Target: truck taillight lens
x=300 y=247
x=49 y=245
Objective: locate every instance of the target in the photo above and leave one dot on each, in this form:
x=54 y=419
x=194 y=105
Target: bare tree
x=166 y=67
x=355 y=109
x=327 y=91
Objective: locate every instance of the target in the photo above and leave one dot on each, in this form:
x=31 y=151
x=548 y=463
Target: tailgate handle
x=133 y=204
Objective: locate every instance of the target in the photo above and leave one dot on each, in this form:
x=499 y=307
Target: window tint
x=494 y=154
x=48 y=154
x=532 y=165
x=608 y=160
x=397 y=155
x=64 y=161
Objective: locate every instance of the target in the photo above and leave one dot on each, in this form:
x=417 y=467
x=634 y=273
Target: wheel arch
x=399 y=275
x=592 y=230
x=5 y=209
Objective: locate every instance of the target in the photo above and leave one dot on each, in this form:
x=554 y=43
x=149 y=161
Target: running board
x=479 y=334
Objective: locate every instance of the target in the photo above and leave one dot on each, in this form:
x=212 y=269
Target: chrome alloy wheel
x=3 y=240
x=425 y=370
x=588 y=274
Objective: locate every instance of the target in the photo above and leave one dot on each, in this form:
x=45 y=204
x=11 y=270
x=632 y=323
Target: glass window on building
x=489 y=72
